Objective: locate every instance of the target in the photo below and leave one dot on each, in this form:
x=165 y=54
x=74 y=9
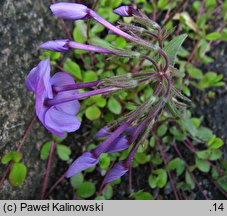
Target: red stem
x=169 y=174
x=47 y=173
x=56 y=184
x=190 y=146
x=190 y=173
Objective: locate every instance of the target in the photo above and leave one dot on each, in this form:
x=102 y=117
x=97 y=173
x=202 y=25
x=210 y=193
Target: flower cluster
x=57 y=97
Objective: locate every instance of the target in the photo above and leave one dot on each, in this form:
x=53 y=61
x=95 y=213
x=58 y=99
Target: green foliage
x=114 y=106
x=77 y=180
x=108 y=192
x=17 y=174
x=86 y=190
x=63 y=151
x=158 y=178
x=176 y=164
x=104 y=161
x=92 y=113
x=45 y=150
x=140 y=195
x=72 y=68
x=11 y=156
x=173 y=47
x=54 y=56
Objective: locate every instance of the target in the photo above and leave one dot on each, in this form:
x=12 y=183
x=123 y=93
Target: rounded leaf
x=86 y=190
x=17 y=174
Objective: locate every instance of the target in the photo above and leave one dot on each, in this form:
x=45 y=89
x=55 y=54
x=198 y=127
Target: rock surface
x=24 y=25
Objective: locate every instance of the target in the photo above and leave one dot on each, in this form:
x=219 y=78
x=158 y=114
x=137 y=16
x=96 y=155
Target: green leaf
x=162 y=3
x=190 y=127
x=194 y=72
x=162 y=178
x=152 y=142
x=215 y=154
x=86 y=190
x=90 y=76
x=77 y=180
x=152 y=181
x=108 y=192
x=140 y=195
x=114 y=106
x=202 y=165
x=213 y=36
x=204 y=154
x=120 y=43
x=63 y=152
x=173 y=47
x=100 y=101
x=11 y=156
x=45 y=150
x=104 y=161
x=99 y=42
x=80 y=32
x=90 y=169
x=223 y=182
x=141 y=158
x=224 y=34
x=73 y=68
x=204 y=134
x=92 y=113
x=217 y=143
x=189 y=180
x=100 y=198
x=161 y=131
x=177 y=164
x=17 y=174
x=58 y=139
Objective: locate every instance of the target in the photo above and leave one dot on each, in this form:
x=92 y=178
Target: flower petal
x=116 y=172
x=56 y=45
x=103 y=132
x=39 y=78
x=61 y=79
x=61 y=121
x=70 y=11
x=125 y=10
x=85 y=161
x=119 y=144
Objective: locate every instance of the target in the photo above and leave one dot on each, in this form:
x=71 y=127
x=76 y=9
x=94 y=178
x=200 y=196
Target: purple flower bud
x=125 y=10
x=91 y=48
x=56 y=45
x=103 y=132
x=116 y=172
x=69 y=11
x=85 y=161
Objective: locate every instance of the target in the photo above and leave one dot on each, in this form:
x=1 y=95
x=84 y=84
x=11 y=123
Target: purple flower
x=116 y=172
x=113 y=143
x=64 y=45
x=74 y=11
x=60 y=118
x=125 y=10
x=70 y=11
x=85 y=161
x=56 y=45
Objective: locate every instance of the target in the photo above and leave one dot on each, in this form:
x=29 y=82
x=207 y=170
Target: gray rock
x=24 y=25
